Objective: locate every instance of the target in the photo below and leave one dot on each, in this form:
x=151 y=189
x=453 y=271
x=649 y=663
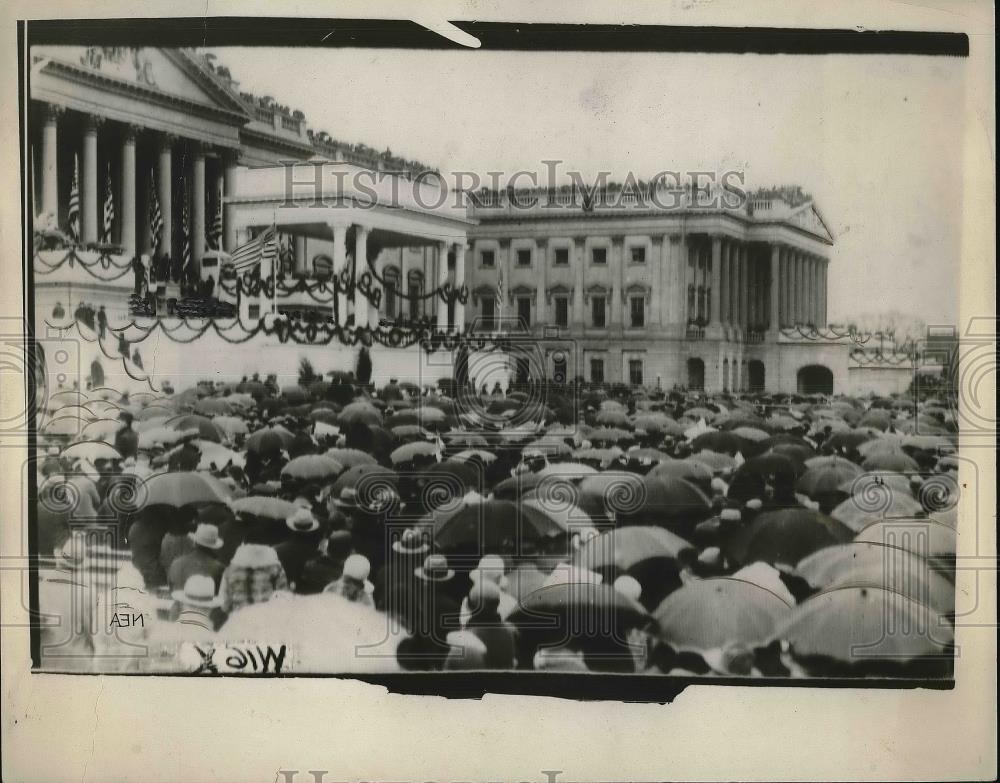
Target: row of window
x=560 y=314
x=635 y=374
x=598 y=256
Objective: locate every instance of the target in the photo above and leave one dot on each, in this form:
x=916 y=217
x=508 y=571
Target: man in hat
x=485 y=623
x=436 y=613
x=201 y=560
x=126 y=439
x=303 y=544
x=395 y=583
x=327 y=565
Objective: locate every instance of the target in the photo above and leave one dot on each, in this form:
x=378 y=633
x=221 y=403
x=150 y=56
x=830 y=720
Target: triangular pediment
x=176 y=74
x=807 y=217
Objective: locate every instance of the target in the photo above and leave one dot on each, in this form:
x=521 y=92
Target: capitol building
x=151 y=170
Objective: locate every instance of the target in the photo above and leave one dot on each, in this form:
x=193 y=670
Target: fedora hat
x=435 y=569
x=206 y=535
x=199 y=590
x=302 y=521
x=411 y=542
x=348 y=500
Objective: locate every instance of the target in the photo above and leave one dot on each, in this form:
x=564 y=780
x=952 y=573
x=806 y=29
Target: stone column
x=360 y=267
x=50 y=163
x=228 y=214
x=198 y=208
x=442 y=279
x=744 y=286
x=655 y=310
x=542 y=258
x=714 y=299
x=679 y=271
x=459 y=282
x=800 y=294
x=579 y=264
x=128 y=191
x=814 y=290
x=774 y=321
x=339 y=264
x=165 y=194
x=733 y=287
x=824 y=293
x=88 y=196
x=724 y=282
x=782 y=287
x=617 y=264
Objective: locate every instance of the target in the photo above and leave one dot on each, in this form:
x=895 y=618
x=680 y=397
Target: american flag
x=74 y=203
x=155 y=216
x=260 y=248
x=213 y=237
x=109 y=209
x=185 y=235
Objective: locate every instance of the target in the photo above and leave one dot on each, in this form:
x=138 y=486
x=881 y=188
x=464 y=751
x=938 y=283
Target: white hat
x=199 y=590
x=302 y=521
x=207 y=536
x=357 y=567
x=628 y=586
x=730 y=515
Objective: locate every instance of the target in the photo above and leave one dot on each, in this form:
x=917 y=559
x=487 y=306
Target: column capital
x=504 y=242
x=167 y=141
x=92 y=123
x=360 y=229
x=541 y=242
x=656 y=239
x=617 y=239
x=52 y=112
x=580 y=239
x=132 y=132
x=230 y=157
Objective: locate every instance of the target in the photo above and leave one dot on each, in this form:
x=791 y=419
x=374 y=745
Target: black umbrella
x=785 y=536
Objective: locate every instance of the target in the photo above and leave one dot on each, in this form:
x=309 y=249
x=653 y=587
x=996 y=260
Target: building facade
x=718 y=290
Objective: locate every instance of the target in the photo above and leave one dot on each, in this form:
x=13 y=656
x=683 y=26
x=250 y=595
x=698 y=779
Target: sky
x=876 y=140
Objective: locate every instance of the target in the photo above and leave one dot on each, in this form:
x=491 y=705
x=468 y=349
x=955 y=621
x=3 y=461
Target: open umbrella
x=826 y=477
x=849 y=629
x=925 y=537
x=665 y=501
x=613 y=418
x=895 y=462
x=881 y=500
x=231 y=426
x=163 y=436
x=598 y=457
x=715 y=461
x=574 y=609
x=370 y=475
x=411 y=451
x=102 y=429
x=611 y=436
x=761 y=475
x=351 y=457
x=263 y=507
x=326 y=633
x=498 y=526
x=725 y=442
x=785 y=536
x=361 y=412
x=620 y=549
x=469 y=454
x=207 y=430
x=184 y=488
x=697 y=472
x=866 y=564
x=92 y=451
x=270 y=440
x=706 y=614
x=213 y=406
x=311 y=467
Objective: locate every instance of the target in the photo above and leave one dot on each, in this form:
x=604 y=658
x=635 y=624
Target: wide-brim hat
x=206 y=536
x=209 y=603
x=348 y=499
x=302 y=522
x=435 y=569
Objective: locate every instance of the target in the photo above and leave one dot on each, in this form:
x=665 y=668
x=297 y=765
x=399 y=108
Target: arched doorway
x=695 y=374
x=815 y=379
x=755 y=376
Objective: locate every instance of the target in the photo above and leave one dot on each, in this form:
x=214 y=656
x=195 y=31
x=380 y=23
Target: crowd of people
x=546 y=527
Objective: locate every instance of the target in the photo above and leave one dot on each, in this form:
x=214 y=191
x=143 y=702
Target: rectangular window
x=488 y=258
x=562 y=310
x=635 y=372
x=524 y=310
x=524 y=257
x=562 y=256
x=597 y=311
x=489 y=312
x=599 y=255
x=390 y=299
x=638 y=255
x=253 y=312
x=597 y=370
x=637 y=311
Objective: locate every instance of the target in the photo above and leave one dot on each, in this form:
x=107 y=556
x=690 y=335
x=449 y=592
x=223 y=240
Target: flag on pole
x=74 y=203
x=109 y=209
x=155 y=216
x=214 y=236
x=185 y=237
x=250 y=254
